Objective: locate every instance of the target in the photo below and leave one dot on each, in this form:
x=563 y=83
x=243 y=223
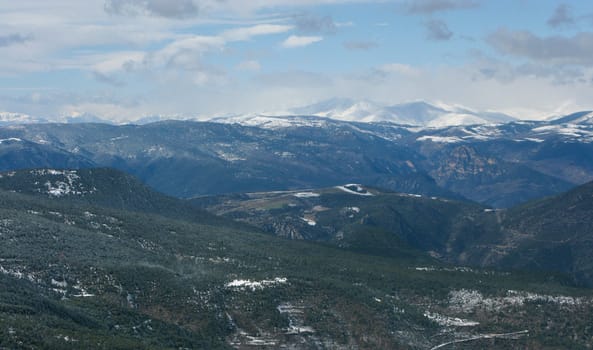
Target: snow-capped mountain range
x=420 y=114
x=417 y=114
x=10 y=118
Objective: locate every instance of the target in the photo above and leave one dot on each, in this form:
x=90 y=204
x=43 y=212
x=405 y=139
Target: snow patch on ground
x=15 y=273
x=439 y=139
x=468 y=300
x=66 y=338
x=220 y=260
x=83 y=293
x=351 y=212
x=449 y=321
x=306 y=195
x=260 y=341
x=355 y=189
x=295 y=315
x=319 y=208
x=425 y=269
x=462 y=269
x=309 y=222
x=229 y=157
x=10 y=139
x=61 y=284
x=255 y=285
x=41 y=172
x=284 y=154
x=66 y=184
x=8 y=174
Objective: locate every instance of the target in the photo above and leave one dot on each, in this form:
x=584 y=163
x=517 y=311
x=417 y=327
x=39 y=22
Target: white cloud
x=160 y=8
x=433 y=6
x=113 y=62
x=246 y=33
x=308 y=23
x=186 y=54
x=300 y=41
x=246 y=8
x=575 y=49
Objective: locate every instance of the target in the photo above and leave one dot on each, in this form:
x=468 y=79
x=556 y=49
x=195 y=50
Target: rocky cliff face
x=484 y=176
x=464 y=162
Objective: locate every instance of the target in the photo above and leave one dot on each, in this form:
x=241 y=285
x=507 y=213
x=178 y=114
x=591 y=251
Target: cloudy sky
x=126 y=59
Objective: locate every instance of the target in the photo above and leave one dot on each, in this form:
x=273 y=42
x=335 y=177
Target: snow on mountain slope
x=417 y=113
x=572 y=132
x=54 y=183
x=581 y=118
x=452 y=119
x=270 y=122
x=346 y=110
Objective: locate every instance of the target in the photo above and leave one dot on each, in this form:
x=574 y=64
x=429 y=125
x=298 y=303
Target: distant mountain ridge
x=495 y=164
x=10 y=118
x=187 y=159
x=417 y=113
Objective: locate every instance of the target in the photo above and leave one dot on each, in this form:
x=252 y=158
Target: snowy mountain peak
x=418 y=113
x=342 y=109
x=271 y=122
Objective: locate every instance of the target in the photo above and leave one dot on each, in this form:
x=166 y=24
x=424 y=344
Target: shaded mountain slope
x=556 y=234
x=103 y=187
x=16 y=153
x=553 y=234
